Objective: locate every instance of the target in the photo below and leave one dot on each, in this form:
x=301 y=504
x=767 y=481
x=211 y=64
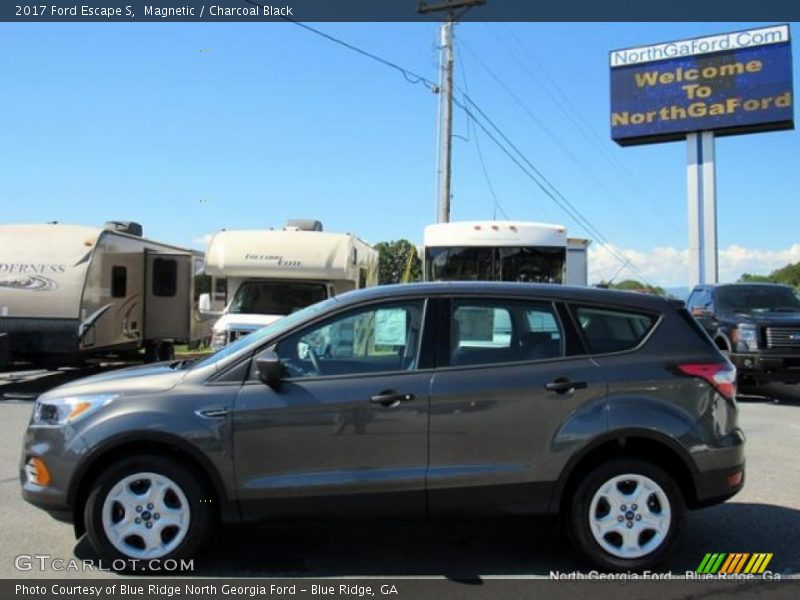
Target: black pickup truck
x=756 y=324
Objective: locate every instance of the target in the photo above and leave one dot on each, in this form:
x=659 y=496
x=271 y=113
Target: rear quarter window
x=612 y=330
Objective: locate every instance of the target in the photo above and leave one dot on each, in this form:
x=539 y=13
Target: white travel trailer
x=68 y=292
x=271 y=273
x=504 y=251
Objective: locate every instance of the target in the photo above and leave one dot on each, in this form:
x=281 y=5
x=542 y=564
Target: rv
x=504 y=251
x=271 y=273
x=69 y=292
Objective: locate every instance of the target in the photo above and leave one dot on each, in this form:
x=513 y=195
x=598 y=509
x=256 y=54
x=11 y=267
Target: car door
x=345 y=431
x=514 y=400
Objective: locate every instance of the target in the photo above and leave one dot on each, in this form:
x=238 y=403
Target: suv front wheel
x=146 y=508
x=627 y=515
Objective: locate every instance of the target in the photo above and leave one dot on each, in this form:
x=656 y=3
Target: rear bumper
x=765 y=368
x=721 y=471
x=715 y=487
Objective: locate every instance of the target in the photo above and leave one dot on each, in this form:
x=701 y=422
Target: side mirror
x=269 y=367
x=204 y=303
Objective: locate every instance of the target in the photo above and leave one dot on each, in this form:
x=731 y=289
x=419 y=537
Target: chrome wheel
x=146 y=515
x=630 y=516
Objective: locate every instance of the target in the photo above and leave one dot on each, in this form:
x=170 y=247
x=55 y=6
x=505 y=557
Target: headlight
x=219 y=338
x=746 y=337
x=61 y=411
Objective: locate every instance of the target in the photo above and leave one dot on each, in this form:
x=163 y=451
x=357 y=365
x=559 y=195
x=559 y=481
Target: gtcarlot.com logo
x=46 y=562
x=735 y=563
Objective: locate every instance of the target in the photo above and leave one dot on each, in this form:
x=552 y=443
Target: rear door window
x=485 y=332
x=610 y=330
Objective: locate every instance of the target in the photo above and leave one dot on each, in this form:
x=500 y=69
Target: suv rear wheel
x=627 y=515
x=146 y=508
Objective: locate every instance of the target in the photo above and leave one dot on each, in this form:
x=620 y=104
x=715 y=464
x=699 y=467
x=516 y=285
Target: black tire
x=581 y=515
x=190 y=484
x=150 y=352
x=166 y=351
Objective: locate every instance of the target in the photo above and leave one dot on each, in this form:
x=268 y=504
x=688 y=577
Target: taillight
x=721 y=376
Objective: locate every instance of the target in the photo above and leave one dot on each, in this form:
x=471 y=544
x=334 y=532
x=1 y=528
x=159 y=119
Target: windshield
x=275 y=297
x=758 y=298
x=274 y=328
x=540 y=264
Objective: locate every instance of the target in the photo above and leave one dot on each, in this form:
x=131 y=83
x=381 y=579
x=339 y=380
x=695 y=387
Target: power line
x=409 y=75
x=497 y=205
x=572 y=156
x=569 y=110
x=542 y=182
x=415 y=78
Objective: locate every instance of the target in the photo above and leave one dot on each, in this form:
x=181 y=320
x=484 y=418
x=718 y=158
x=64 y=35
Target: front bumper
x=61 y=450
x=765 y=368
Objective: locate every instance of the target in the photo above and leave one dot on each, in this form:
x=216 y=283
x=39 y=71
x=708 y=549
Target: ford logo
x=795 y=337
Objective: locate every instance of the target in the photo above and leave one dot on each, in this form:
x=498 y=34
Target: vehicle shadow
x=468 y=551
x=26 y=383
x=772 y=392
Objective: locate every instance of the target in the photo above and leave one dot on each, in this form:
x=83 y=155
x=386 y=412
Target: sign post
x=701 y=193
x=700 y=89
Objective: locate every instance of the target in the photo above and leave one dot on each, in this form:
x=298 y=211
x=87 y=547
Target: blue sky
x=188 y=128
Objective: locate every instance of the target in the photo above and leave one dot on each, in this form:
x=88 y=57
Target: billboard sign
x=738 y=82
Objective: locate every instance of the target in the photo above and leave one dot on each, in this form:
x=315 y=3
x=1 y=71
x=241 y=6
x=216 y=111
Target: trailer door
x=167 y=308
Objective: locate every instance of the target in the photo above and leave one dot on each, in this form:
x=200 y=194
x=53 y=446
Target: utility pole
x=444 y=167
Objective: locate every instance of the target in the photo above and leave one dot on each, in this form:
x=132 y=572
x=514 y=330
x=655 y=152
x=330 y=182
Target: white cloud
x=669 y=266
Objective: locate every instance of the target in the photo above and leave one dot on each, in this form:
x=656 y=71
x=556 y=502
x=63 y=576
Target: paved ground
x=764 y=517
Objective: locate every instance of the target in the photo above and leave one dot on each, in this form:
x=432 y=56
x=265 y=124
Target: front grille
x=783 y=337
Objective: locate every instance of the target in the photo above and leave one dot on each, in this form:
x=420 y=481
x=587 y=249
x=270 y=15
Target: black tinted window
x=758 y=298
x=119 y=282
x=492 y=332
x=276 y=297
x=165 y=276
x=610 y=330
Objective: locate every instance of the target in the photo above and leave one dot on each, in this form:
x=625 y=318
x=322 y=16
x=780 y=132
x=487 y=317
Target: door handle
x=390 y=398
x=563 y=385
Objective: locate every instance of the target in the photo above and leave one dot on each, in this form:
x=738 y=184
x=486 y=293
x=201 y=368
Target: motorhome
x=504 y=251
x=271 y=273
x=68 y=292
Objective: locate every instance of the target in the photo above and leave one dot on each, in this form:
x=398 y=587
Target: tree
x=393 y=260
x=749 y=277
x=790 y=275
x=636 y=286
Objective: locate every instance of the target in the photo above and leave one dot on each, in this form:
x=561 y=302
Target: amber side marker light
x=37 y=472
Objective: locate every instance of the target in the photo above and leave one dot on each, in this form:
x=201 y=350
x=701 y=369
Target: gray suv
x=613 y=410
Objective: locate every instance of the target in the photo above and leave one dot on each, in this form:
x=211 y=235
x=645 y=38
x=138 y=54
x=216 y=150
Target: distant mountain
x=681 y=293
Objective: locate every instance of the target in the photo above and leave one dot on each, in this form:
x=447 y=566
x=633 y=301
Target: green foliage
x=749 y=277
x=636 y=286
x=790 y=275
x=393 y=260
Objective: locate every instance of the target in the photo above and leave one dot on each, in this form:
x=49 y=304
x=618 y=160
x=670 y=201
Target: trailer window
x=119 y=282
x=165 y=276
